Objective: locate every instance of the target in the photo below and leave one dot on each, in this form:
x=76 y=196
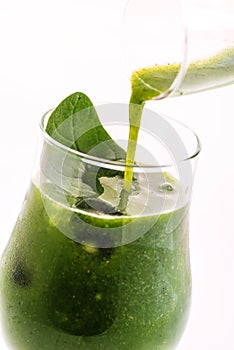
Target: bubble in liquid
x=166 y=187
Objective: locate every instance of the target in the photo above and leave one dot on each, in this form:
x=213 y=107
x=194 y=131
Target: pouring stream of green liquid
x=150 y=83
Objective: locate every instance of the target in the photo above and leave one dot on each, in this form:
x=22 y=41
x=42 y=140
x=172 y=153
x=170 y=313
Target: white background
x=40 y=63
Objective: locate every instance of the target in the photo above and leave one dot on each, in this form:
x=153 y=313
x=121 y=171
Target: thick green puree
x=59 y=294
x=152 y=82
x=156 y=82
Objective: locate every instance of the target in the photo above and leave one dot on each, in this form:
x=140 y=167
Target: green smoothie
x=80 y=274
x=59 y=294
x=62 y=286
x=155 y=82
x=151 y=82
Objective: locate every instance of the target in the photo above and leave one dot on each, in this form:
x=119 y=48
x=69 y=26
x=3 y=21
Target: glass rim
x=103 y=162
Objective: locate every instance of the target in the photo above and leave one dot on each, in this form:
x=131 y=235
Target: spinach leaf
x=75 y=124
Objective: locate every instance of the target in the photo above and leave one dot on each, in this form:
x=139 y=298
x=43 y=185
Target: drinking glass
x=79 y=273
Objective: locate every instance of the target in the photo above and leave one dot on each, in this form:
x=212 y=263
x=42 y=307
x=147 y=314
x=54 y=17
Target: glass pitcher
x=178 y=47
x=190 y=41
